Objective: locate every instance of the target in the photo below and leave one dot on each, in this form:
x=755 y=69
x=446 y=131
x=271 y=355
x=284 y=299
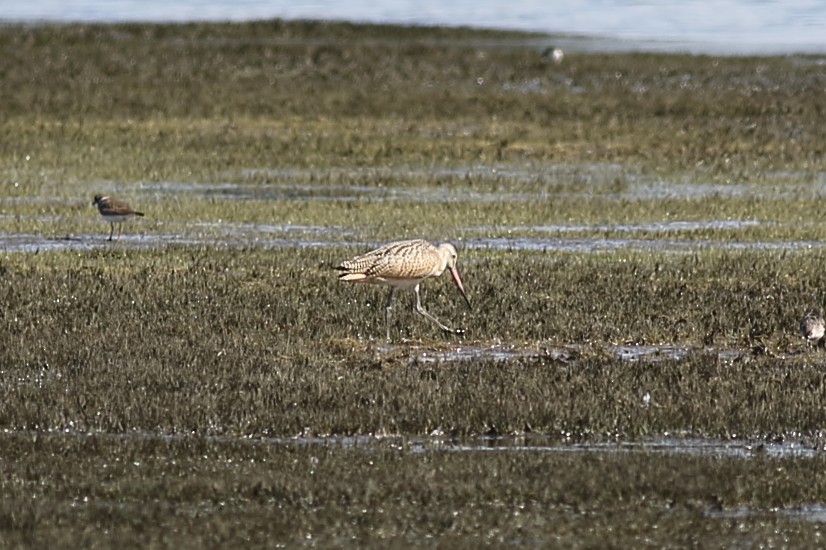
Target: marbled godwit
x=114 y=211
x=404 y=264
x=812 y=327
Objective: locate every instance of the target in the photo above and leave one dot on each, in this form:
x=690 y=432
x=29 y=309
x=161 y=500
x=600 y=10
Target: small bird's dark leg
x=421 y=310
x=388 y=308
x=111 y=230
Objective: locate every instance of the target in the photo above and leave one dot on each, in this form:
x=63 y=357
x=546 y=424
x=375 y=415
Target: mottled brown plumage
x=404 y=264
x=114 y=211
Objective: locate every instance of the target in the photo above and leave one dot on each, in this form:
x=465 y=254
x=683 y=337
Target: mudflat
x=639 y=235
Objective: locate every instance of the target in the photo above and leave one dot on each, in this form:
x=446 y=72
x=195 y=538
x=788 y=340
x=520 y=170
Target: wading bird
x=114 y=211
x=404 y=265
x=812 y=328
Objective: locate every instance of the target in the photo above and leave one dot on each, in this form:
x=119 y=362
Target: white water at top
x=699 y=26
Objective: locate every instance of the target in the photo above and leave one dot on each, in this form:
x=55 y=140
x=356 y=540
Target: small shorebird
x=403 y=265
x=812 y=328
x=114 y=211
x=552 y=53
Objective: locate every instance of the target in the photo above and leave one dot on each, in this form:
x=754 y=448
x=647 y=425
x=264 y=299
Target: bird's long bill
x=455 y=274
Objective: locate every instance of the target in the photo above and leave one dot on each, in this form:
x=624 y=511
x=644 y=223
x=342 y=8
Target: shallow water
x=285 y=236
x=651 y=227
x=651 y=353
x=815 y=512
x=735 y=27
x=440 y=442
x=490 y=183
x=213 y=234
x=665 y=445
x=270 y=236
x=512 y=182
x=602 y=244
x=160 y=233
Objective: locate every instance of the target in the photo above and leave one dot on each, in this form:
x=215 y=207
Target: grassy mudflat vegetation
x=207 y=381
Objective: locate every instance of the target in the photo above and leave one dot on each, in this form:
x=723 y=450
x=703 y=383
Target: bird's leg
x=111 y=230
x=388 y=308
x=421 y=310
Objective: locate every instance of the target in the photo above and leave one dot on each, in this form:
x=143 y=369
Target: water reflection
x=424 y=355
x=465 y=185
x=215 y=235
x=273 y=235
x=603 y=244
x=440 y=442
x=658 y=445
x=815 y=512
